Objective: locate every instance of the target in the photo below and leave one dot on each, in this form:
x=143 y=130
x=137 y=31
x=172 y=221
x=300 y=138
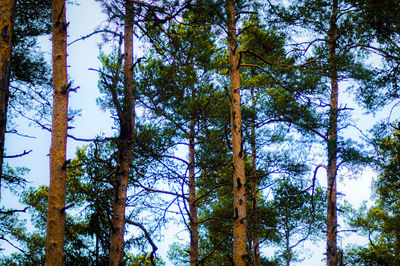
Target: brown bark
x=289 y=256
x=239 y=178
x=254 y=187
x=125 y=145
x=332 y=143
x=56 y=196
x=7 y=13
x=194 y=232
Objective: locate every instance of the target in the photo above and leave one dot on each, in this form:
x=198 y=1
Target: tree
x=332 y=140
x=58 y=163
x=381 y=16
x=29 y=82
x=177 y=90
x=126 y=118
x=123 y=101
x=300 y=215
x=380 y=222
x=382 y=22
x=335 y=56
x=88 y=199
x=30 y=85
x=7 y=9
x=239 y=178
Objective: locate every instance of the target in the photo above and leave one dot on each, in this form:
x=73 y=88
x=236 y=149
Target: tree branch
x=147 y=235
x=18 y=155
x=13 y=211
x=93 y=33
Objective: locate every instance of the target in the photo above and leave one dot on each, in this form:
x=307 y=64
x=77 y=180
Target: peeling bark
x=7 y=14
x=56 y=195
x=239 y=178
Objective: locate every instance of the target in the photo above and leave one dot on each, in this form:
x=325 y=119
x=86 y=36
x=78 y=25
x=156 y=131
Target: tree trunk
x=194 y=232
x=7 y=13
x=332 y=143
x=287 y=240
x=289 y=256
x=340 y=258
x=125 y=145
x=239 y=178
x=254 y=187
x=56 y=196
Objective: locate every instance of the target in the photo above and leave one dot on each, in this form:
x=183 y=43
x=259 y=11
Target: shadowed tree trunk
x=254 y=186
x=126 y=117
x=7 y=14
x=332 y=143
x=56 y=195
x=194 y=232
x=239 y=178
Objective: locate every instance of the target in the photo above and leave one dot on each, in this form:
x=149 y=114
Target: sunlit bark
x=125 y=145
x=56 y=196
x=239 y=178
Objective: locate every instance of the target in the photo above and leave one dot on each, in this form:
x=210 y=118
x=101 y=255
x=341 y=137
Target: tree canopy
x=234 y=123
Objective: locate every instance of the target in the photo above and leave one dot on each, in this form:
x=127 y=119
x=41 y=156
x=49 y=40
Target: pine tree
x=380 y=222
x=177 y=90
x=126 y=117
x=335 y=57
x=7 y=9
x=239 y=178
x=58 y=163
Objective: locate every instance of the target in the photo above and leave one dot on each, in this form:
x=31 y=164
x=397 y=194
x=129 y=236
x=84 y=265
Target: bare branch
x=11 y=244
x=18 y=155
x=93 y=33
x=13 y=211
x=147 y=235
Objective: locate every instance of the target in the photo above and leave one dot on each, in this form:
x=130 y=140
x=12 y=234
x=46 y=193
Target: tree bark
x=125 y=145
x=7 y=14
x=56 y=195
x=254 y=186
x=332 y=143
x=194 y=232
x=239 y=178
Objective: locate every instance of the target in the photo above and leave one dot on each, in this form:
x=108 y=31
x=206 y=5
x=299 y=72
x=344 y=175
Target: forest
x=231 y=124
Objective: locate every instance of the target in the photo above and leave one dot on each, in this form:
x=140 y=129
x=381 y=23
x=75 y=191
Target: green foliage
x=31 y=84
x=381 y=221
x=381 y=15
x=14 y=178
x=183 y=79
x=300 y=215
x=141 y=260
x=110 y=82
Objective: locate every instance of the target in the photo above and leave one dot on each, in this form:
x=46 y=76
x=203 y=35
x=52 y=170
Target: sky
x=84 y=18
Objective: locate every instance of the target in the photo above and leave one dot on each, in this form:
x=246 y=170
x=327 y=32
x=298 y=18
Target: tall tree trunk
x=194 y=232
x=56 y=196
x=7 y=14
x=254 y=186
x=288 y=256
x=287 y=240
x=125 y=145
x=332 y=143
x=239 y=178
